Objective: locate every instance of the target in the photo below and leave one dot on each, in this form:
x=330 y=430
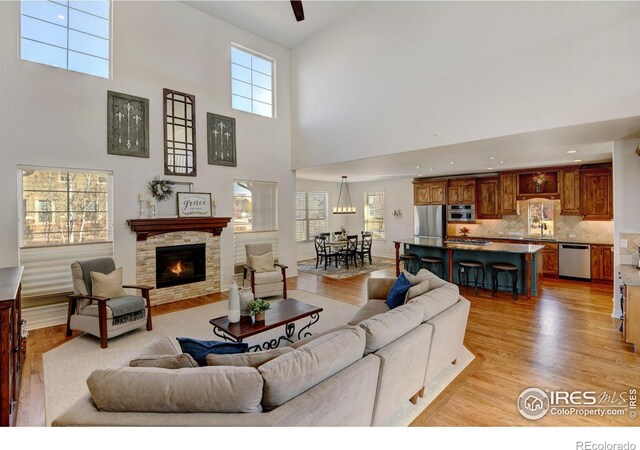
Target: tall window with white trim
x=252 y=81
x=72 y=35
x=311 y=215
x=374 y=214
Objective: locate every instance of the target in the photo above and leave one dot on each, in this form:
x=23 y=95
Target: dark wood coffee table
x=285 y=312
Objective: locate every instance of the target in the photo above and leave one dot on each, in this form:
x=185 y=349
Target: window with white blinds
x=255 y=216
x=311 y=215
x=255 y=206
x=374 y=214
x=65 y=215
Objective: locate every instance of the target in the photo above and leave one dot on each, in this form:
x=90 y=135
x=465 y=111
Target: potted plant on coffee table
x=258 y=308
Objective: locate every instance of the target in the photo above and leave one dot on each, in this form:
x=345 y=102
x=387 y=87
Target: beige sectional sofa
x=358 y=374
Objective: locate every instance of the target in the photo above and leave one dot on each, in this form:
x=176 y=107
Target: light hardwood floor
x=565 y=339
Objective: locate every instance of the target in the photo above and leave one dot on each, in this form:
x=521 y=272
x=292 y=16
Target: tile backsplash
x=629 y=255
x=566 y=228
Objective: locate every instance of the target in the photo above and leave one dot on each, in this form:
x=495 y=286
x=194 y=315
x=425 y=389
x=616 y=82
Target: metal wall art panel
x=127 y=125
x=221 y=140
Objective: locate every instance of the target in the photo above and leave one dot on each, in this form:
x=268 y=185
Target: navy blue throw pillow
x=200 y=349
x=396 y=295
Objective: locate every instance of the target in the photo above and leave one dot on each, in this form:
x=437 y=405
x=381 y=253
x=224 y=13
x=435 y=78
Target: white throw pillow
x=262 y=263
x=108 y=286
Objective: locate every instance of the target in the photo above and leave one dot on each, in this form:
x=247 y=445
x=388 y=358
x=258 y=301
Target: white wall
x=626 y=192
x=399 y=76
x=306 y=250
x=53 y=117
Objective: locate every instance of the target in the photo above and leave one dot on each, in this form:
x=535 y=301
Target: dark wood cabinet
x=508 y=185
x=539 y=184
x=487 y=198
x=549 y=258
x=601 y=263
x=596 y=194
x=430 y=192
x=12 y=347
x=461 y=192
x=570 y=192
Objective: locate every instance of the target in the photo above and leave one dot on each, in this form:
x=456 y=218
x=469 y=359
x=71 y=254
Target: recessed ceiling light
x=431 y=169
x=577 y=160
x=493 y=157
x=501 y=162
x=452 y=162
x=572 y=151
x=60 y=16
x=417 y=167
x=489 y=168
x=420 y=174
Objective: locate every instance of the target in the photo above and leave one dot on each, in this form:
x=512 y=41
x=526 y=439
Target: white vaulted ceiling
x=274 y=20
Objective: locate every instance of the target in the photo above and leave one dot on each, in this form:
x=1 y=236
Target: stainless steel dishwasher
x=575 y=260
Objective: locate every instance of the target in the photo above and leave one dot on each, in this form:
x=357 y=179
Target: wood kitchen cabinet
x=549 y=258
x=508 y=185
x=601 y=263
x=487 y=198
x=570 y=192
x=461 y=192
x=430 y=192
x=596 y=194
x=548 y=189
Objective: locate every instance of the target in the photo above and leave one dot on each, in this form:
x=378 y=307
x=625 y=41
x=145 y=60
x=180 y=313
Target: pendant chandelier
x=343 y=208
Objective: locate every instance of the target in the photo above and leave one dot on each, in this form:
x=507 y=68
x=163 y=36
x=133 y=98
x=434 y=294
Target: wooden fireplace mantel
x=151 y=227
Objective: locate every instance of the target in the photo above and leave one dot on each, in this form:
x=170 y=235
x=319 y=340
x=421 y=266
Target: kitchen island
x=527 y=257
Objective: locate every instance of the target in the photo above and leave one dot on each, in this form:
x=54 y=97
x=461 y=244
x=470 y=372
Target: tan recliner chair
x=265 y=281
x=94 y=315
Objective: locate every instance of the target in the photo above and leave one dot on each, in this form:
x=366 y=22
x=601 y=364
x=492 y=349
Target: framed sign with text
x=194 y=204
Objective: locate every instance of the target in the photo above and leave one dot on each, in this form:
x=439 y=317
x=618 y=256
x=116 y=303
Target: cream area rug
x=67 y=367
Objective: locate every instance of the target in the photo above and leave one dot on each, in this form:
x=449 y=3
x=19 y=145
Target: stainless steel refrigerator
x=429 y=221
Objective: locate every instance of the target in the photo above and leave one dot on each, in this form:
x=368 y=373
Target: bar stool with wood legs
x=431 y=263
x=411 y=262
x=468 y=265
x=512 y=269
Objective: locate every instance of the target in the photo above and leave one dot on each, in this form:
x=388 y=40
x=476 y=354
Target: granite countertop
x=630 y=274
x=539 y=239
x=494 y=247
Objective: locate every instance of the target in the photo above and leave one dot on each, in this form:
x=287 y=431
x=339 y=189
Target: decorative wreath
x=161 y=189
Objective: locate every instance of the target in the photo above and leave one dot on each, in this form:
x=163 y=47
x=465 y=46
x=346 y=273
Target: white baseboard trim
x=45 y=316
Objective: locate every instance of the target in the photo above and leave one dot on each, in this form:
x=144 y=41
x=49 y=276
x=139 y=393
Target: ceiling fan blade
x=297 y=9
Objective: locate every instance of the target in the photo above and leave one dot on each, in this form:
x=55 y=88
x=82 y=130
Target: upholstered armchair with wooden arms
x=266 y=277
x=105 y=316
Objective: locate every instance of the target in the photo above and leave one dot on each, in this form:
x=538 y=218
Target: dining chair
x=365 y=246
x=350 y=251
x=323 y=252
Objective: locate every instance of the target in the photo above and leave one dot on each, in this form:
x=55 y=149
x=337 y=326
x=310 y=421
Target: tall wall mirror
x=179 y=133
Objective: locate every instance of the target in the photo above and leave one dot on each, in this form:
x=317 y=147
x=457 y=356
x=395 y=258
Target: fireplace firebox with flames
x=180 y=264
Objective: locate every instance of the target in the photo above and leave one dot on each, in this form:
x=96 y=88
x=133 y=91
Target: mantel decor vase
x=234 y=303
x=538 y=188
x=261 y=316
x=246 y=297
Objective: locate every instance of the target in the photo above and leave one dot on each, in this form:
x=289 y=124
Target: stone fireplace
x=179 y=257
